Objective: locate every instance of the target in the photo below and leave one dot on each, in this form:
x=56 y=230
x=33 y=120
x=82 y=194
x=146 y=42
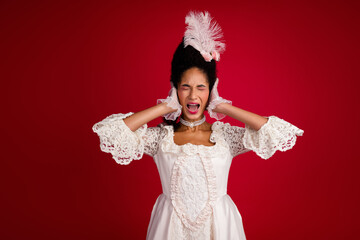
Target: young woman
x=193 y=157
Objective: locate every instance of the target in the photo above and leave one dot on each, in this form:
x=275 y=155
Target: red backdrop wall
x=67 y=65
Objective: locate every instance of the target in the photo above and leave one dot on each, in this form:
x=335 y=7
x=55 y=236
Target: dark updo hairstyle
x=184 y=59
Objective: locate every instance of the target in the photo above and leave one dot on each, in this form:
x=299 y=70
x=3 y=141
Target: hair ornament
x=204 y=35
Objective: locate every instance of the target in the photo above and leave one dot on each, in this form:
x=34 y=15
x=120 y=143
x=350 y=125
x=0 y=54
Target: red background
x=67 y=65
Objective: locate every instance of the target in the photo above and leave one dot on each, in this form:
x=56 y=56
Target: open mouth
x=193 y=107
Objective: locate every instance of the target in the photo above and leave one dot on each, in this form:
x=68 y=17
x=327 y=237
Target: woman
x=193 y=156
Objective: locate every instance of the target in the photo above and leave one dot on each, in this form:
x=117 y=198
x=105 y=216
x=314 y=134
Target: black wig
x=186 y=58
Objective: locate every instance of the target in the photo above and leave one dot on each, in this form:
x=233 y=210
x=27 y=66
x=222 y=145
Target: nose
x=192 y=94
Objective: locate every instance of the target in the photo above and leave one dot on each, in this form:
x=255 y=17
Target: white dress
x=194 y=203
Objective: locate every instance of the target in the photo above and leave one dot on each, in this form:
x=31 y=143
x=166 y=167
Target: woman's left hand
x=215 y=103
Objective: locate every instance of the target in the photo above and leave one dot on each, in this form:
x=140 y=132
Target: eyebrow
x=187 y=85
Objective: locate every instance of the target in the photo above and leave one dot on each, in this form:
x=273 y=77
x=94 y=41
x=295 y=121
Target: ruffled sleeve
x=123 y=144
x=275 y=134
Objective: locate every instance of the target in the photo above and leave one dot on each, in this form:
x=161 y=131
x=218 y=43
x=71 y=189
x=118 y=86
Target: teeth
x=193 y=107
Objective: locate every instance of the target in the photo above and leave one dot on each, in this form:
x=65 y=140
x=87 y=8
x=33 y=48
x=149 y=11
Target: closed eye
x=185 y=86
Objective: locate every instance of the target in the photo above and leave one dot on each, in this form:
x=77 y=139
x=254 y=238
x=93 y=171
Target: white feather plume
x=204 y=35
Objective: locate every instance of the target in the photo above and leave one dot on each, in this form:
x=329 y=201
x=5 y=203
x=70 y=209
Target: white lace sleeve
x=233 y=135
x=275 y=134
x=152 y=140
x=125 y=145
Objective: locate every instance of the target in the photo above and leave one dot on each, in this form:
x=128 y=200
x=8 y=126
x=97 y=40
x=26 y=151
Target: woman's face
x=193 y=93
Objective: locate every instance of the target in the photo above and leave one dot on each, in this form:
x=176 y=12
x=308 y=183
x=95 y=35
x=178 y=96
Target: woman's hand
x=216 y=103
x=173 y=105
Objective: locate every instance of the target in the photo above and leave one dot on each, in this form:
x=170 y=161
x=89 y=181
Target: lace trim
x=176 y=193
x=212 y=106
x=275 y=134
x=116 y=138
x=219 y=149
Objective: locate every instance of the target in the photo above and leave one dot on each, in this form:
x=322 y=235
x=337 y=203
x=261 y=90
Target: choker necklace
x=192 y=124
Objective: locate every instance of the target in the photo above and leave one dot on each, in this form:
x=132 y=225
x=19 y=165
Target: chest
x=199 y=138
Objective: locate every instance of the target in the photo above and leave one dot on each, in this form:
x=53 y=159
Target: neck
x=203 y=127
x=187 y=129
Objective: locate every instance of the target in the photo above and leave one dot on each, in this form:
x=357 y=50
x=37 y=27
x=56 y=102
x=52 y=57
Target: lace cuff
x=174 y=105
x=275 y=134
x=117 y=138
x=212 y=106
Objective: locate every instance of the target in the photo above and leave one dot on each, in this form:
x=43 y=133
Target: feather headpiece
x=204 y=35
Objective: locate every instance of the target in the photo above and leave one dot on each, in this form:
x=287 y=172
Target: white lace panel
x=275 y=134
x=193 y=187
x=125 y=145
x=193 y=190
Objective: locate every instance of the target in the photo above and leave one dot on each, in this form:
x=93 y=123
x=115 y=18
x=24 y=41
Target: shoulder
x=218 y=125
x=226 y=128
x=161 y=130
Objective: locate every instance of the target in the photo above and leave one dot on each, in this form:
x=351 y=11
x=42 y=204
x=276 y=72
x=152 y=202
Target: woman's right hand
x=173 y=105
